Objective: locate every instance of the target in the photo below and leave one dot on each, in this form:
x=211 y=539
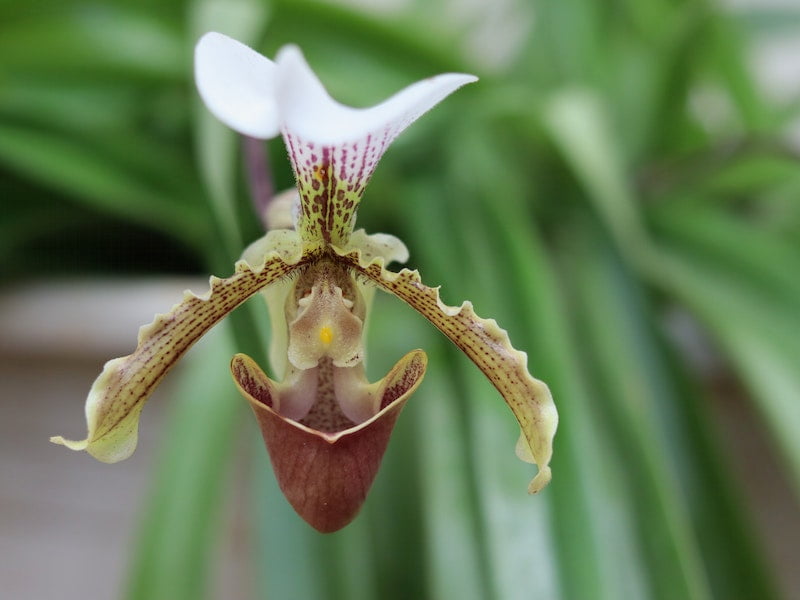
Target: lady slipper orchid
x=325 y=426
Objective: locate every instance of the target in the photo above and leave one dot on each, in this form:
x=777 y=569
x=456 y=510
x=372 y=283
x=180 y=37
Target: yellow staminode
x=325 y=335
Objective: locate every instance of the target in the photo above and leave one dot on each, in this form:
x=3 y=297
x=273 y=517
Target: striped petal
x=334 y=149
x=119 y=393
x=488 y=346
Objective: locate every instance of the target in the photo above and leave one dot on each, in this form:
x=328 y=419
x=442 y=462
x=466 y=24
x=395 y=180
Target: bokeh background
x=621 y=190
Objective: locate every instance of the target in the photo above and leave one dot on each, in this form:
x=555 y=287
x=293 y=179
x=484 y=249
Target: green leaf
x=217 y=146
x=182 y=519
x=393 y=330
x=293 y=560
x=634 y=387
x=586 y=516
x=92 y=177
x=580 y=129
x=671 y=413
x=76 y=106
x=287 y=555
x=595 y=536
x=733 y=68
x=735 y=246
x=115 y=40
x=511 y=526
x=398 y=42
x=750 y=173
x=756 y=331
x=736 y=563
x=452 y=540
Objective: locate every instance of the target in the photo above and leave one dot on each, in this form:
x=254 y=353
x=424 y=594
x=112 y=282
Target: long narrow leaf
x=183 y=515
x=757 y=333
x=633 y=385
x=96 y=180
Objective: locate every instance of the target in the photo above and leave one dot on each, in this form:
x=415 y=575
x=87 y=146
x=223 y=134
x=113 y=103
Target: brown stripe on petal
x=331 y=182
x=118 y=393
x=405 y=375
x=256 y=387
x=488 y=346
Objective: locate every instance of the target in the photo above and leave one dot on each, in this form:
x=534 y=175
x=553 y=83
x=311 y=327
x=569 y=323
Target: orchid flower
x=325 y=426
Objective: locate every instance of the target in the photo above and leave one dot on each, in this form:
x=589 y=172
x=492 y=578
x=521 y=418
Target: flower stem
x=259 y=176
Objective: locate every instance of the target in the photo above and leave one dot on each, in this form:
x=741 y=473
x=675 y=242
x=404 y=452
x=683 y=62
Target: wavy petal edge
x=489 y=347
x=117 y=396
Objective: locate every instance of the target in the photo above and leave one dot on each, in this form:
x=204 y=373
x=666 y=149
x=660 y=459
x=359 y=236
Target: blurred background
x=621 y=190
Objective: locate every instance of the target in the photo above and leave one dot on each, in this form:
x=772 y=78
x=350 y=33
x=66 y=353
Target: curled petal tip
x=542 y=478
x=119 y=393
x=71 y=444
x=489 y=347
x=102 y=450
x=292 y=57
x=237 y=85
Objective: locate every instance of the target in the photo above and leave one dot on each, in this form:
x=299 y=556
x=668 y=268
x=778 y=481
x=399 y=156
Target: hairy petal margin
x=489 y=347
x=120 y=391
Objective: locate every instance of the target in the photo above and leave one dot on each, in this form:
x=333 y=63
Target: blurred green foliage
x=616 y=166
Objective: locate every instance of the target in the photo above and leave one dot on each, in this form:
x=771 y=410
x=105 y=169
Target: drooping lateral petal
x=488 y=346
x=325 y=476
x=335 y=148
x=237 y=85
x=118 y=394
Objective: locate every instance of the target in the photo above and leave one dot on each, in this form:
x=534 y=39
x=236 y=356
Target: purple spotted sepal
x=334 y=149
